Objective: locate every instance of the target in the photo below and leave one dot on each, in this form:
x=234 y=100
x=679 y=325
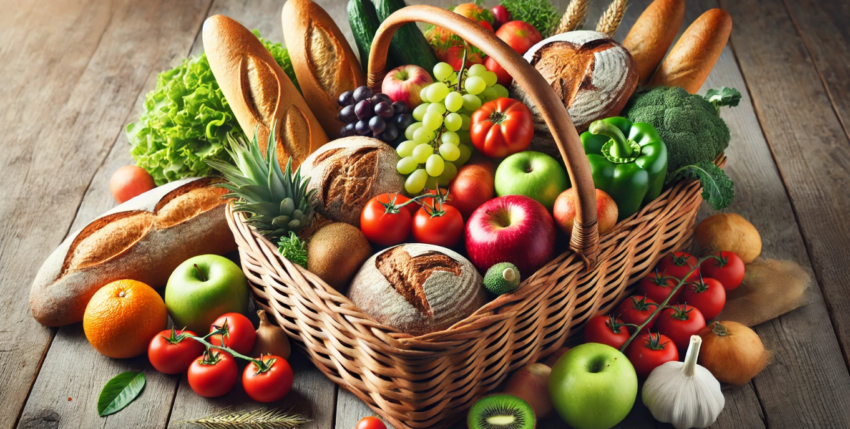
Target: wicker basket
x=431 y=380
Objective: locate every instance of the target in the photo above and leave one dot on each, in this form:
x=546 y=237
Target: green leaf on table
x=723 y=97
x=717 y=189
x=119 y=392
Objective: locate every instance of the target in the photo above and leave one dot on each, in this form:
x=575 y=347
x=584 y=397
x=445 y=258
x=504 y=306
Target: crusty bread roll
x=322 y=59
x=418 y=288
x=144 y=239
x=259 y=92
x=653 y=33
x=350 y=171
x=694 y=55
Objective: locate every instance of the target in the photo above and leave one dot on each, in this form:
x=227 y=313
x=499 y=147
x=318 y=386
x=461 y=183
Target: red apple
x=519 y=35
x=404 y=83
x=472 y=187
x=505 y=78
x=565 y=211
x=130 y=181
x=512 y=228
x=531 y=383
x=501 y=14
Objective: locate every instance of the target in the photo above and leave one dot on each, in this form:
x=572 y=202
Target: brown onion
x=732 y=352
x=270 y=339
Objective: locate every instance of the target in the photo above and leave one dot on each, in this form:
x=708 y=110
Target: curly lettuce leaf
x=186 y=120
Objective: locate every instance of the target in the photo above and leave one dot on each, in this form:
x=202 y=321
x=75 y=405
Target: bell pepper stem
x=621 y=147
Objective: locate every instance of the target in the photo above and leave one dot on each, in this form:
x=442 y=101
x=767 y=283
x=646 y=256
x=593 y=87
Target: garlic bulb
x=684 y=394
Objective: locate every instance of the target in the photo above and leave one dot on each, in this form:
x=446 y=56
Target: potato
x=729 y=232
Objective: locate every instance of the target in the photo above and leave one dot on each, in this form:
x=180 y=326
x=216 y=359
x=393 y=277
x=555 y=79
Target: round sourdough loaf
x=348 y=172
x=417 y=288
x=590 y=72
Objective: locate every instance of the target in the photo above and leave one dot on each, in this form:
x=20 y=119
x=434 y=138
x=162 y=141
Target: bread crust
x=144 y=239
x=322 y=59
x=694 y=55
x=653 y=33
x=259 y=92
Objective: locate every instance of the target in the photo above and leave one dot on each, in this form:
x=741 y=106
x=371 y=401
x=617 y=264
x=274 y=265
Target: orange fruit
x=122 y=317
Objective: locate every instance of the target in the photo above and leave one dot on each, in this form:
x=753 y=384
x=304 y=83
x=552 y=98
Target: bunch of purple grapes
x=373 y=115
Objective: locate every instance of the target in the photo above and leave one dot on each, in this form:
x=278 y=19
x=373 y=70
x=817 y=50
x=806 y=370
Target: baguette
x=259 y=92
x=322 y=59
x=144 y=239
x=653 y=33
x=694 y=55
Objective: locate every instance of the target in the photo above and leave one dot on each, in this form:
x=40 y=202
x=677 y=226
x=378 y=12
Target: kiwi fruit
x=501 y=412
x=336 y=252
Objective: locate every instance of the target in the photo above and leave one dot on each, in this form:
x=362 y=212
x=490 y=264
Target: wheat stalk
x=260 y=418
x=610 y=20
x=573 y=17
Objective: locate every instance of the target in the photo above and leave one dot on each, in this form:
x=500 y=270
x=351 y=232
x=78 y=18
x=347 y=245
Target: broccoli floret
x=688 y=124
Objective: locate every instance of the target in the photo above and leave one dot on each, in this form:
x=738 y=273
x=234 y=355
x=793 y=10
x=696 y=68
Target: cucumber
x=409 y=45
x=364 y=24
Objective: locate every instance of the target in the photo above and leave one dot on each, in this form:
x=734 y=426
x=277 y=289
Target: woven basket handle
x=585 y=236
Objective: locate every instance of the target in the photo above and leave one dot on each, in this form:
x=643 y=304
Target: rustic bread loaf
x=143 y=239
x=418 y=288
x=652 y=35
x=322 y=59
x=259 y=92
x=348 y=173
x=590 y=72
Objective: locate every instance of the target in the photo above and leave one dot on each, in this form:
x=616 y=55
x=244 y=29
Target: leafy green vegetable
x=717 y=189
x=186 y=120
x=294 y=249
x=688 y=124
x=724 y=96
x=539 y=13
x=119 y=392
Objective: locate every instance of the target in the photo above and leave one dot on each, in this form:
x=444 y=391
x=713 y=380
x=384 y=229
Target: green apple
x=203 y=288
x=593 y=386
x=533 y=174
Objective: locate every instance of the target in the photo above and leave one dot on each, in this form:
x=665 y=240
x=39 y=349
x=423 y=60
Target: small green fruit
x=502 y=278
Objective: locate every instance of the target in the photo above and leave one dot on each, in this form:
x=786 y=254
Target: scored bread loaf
x=259 y=92
x=418 y=288
x=144 y=239
x=322 y=59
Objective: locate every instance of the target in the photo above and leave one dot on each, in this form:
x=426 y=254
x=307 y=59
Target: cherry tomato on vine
x=636 y=309
x=240 y=333
x=214 y=374
x=679 y=323
x=384 y=222
x=678 y=265
x=729 y=270
x=427 y=201
x=370 y=423
x=271 y=384
x=441 y=227
x=649 y=351
x=171 y=352
x=657 y=287
x=502 y=127
x=706 y=295
x=606 y=330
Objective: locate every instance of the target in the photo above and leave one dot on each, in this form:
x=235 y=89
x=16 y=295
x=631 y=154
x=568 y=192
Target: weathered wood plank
x=70 y=74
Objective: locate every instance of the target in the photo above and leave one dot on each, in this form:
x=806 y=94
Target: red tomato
x=130 y=181
x=486 y=25
x=473 y=186
x=501 y=14
x=679 y=323
x=656 y=287
x=678 y=265
x=505 y=78
x=383 y=222
x=172 y=353
x=502 y=127
x=649 y=351
x=400 y=199
x=606 y=330
x=240 y=333
x=454 y=56
x=270 y=385
x=636 y=309
x=707 y=296
x=729 y=270
x=213 y=378
x=443 y=228
x=519 y=35
x=370 y=423
x=427 y=201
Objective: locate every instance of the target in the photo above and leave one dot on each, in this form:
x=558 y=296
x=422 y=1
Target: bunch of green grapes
x=438 y=144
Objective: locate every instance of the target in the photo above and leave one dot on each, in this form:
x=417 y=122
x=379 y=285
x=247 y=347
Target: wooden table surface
x=74 y=73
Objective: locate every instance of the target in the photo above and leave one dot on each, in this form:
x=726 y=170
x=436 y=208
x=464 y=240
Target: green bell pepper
x=631 y=170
